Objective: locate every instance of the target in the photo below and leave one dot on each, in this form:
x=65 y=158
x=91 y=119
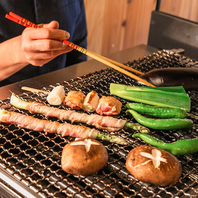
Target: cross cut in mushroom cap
x=154 y=156
x=86 y=142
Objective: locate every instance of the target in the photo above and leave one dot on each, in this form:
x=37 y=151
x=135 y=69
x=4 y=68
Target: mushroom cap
x=150 y=164
x=84 y=157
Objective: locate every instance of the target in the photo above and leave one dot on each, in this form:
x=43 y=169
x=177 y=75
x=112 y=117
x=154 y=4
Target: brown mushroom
x=84 y=157
x=150 y=164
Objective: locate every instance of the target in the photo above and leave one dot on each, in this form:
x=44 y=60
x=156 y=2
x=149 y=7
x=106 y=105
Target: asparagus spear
x=65 y=129
x=101 y=122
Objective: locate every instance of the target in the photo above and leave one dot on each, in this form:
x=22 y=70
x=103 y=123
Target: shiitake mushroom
x=84 y=157
x=150 y=164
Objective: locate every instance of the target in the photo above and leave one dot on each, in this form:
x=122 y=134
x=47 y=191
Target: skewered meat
x=64 y=129
x=101 y=122
x=91 y=102
x=74 y=99
x=108 y=105
x=30 y=122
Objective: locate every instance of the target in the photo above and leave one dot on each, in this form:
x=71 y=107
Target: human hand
x=41 y=45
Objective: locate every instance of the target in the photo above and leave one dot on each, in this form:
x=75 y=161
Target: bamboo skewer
x=111 y=63
x=34 y=90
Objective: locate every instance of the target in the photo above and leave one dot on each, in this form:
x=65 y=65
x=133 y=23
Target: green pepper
x=180 y=147
x=163 y=124
x=160 y=112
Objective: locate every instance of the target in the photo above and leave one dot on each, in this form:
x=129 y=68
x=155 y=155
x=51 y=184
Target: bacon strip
x=101 y=122
x=65 y=129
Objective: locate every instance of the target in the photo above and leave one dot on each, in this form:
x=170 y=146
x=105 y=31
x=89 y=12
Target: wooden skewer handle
x=34 y=90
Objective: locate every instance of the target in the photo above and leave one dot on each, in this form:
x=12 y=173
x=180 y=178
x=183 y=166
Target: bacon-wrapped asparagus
x=65 y=129
x=101 y=122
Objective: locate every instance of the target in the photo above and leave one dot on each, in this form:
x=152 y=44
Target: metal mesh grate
x=34 y=157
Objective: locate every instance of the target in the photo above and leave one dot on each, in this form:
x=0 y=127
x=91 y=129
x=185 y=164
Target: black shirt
x=70 y=15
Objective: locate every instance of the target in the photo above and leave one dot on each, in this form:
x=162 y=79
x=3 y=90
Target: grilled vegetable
x=178 y=89
x=176 y=76
x=180 y=147
x=56 y=96
x=160 y=112
x=151 y=96
x=163 y=124
x=156 y=166
x=84 y=157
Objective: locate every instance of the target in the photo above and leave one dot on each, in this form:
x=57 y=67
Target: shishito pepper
x=160 y=112
x=163 y=124
x=180 y=147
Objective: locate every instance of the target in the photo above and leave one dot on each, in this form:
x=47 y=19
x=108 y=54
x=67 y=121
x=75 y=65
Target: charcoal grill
x=31 y=159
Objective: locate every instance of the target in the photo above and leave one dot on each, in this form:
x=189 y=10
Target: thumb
x=51 y=25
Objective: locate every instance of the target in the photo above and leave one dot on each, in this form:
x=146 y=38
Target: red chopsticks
x=20 y=20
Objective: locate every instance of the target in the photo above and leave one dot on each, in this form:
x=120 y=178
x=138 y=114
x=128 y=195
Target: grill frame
x=33 y=158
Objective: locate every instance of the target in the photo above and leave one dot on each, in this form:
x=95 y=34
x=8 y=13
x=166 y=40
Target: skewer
x=34 y=90
x=113 y=64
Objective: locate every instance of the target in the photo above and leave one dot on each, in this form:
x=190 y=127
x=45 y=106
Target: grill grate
x=34 y=157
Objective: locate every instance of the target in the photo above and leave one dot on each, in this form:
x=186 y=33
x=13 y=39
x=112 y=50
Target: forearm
x=11 y=56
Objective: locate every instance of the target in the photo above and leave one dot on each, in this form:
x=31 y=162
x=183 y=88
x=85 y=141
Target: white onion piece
x=91 y=101
x=56 y=96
